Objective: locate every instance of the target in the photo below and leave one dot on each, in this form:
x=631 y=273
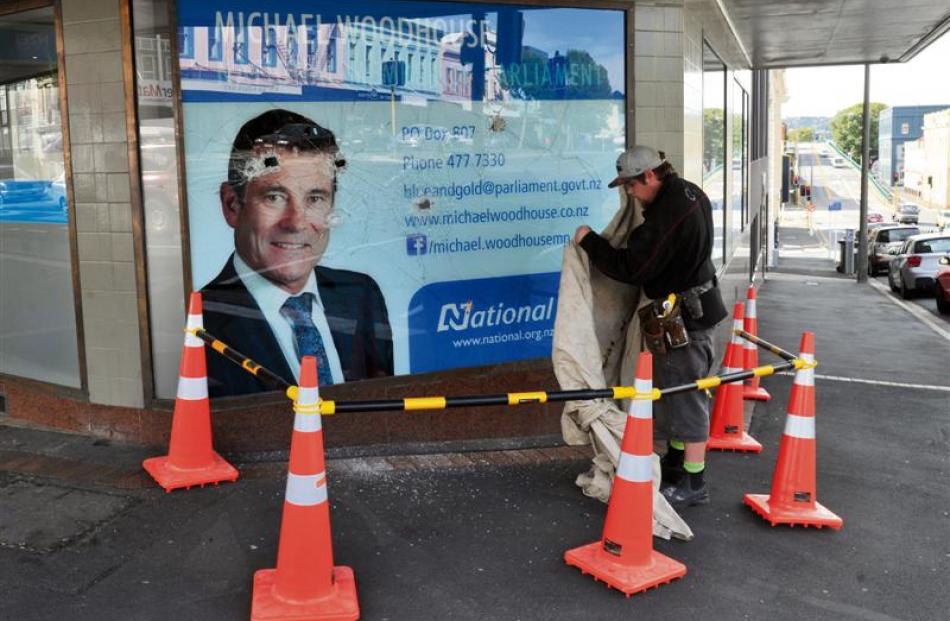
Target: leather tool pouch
x=662 y=332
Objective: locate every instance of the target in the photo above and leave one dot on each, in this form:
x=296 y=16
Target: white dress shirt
x=270 y=298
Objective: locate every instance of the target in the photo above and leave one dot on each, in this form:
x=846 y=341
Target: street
x=815 y=238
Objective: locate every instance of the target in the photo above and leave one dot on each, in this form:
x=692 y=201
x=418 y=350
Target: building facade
x=896 y=127
x=473 y=139
x=927 y=165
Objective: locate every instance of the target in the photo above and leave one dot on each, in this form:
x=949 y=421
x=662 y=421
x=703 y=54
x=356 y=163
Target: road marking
x=916 y=311
x=857 y=380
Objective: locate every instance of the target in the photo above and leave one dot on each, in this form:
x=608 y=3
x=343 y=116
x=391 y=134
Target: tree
x=714 y=126
x=846 y=129
x=593 y=82
x=575 y=75
x=801 y=134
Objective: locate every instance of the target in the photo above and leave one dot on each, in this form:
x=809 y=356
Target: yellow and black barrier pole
x=411 y=404
x=268 y=377
x=713 y=381
x=521 y=398
x=511 y=398
x=775 y=349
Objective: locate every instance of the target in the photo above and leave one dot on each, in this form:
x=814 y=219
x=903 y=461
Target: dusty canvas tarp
x=596 y=342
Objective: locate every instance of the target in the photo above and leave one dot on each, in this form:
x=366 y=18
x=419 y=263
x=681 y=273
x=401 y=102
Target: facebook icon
x=416 y=244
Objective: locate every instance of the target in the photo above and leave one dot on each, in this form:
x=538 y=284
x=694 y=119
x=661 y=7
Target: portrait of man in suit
x=272 y=301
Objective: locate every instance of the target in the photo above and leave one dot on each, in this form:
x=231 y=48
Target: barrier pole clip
x=653 y=394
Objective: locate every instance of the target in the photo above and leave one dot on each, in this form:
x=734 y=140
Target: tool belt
x=664 y=324
x=661 y=325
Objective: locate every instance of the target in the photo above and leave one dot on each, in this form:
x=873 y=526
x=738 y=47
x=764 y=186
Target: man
x=671 y=253
x=271 y=301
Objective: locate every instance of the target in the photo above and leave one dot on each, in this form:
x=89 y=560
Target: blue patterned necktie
x=307 y=338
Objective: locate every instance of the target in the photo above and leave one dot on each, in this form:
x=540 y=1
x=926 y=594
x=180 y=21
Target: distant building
x=927 y=162
x=897 y=126
x=344 y=56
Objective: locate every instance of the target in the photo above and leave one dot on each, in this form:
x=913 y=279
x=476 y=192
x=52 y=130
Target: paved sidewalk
x=84 y=535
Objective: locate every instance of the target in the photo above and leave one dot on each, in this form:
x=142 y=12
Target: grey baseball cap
x=634 y=161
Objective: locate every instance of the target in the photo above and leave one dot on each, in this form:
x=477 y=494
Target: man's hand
x=582 y=230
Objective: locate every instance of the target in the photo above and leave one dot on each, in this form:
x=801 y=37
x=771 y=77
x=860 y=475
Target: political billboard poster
x=408 y=172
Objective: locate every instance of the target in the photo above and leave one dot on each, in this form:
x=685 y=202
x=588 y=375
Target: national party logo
x=483 y=321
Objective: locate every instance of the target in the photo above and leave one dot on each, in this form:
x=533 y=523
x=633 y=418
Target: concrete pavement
x=85 y=535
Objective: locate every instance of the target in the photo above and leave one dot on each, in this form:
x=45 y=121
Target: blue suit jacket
x=354 y=308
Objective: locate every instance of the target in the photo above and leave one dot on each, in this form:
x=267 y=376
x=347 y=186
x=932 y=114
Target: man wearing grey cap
x=670 y=253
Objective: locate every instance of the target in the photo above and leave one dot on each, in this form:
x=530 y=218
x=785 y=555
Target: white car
x=914 y=266
x=838 y=162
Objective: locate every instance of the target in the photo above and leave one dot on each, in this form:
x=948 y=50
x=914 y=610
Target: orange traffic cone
x=726 y=432
x=624 y=557
x=305 y=584
x=751 y=391
x=191 y=460
x=794 y=497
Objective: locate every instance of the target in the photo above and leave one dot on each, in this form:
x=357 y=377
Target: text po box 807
x=437 y=134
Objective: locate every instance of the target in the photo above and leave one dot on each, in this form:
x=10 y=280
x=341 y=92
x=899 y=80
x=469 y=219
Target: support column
x=100 y=163
x=862 y=266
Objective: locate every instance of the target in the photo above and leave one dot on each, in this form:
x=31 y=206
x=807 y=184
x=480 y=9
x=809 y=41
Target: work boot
x=683 y=494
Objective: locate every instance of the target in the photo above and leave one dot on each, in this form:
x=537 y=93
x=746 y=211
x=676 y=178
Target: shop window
x=312 y=47
x=738 y=164
x=366 y=64
x=38 y=336
x=714 y=146
x=331 y=55
x=293 y=49
x=351 y=61
x=158 y=162
x=241 y=53
x=165 y=56
x=270 y=48
x=215 y=44
x=186 y=42
x=146 y=59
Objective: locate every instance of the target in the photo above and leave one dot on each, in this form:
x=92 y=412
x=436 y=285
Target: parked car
x=13 y=191
x=907 y=213
x=914 y=266
x=942 y=286
x=875 y=218
x=838 y=162
x=943 y=219
x=882 y=240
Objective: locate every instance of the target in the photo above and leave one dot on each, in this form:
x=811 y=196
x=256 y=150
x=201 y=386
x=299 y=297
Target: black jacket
x=354 y=308
x=671 y=251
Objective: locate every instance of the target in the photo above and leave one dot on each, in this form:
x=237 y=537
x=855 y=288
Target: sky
x=826 y=90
